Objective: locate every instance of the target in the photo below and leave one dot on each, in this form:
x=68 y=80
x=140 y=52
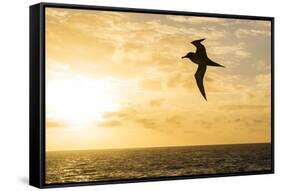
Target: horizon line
x=169 y=146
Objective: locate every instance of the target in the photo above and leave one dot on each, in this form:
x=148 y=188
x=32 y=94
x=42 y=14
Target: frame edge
x=35 y=169
x=37 y=176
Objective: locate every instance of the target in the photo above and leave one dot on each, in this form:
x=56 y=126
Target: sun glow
x=79 y=100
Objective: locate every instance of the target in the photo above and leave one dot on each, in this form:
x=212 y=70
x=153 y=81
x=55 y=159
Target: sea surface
x=116 y=164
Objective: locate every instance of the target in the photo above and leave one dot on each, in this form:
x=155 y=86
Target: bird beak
x=183 y=57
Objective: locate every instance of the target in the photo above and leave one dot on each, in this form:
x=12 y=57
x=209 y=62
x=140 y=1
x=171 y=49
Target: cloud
x=152 y=84
x=206 y=123
x=248 y=122
x=182 y=80
x=263 y=81
x=147 y=122
x=59 y=15
x=161 y=122
x=238 y=50
x=259 y=121
x=174 y=119
x=244 y=33
x=144 y=117
x=262 y=66
x=196 y=19
x=53 y=123
x=242 y=107
x=110 y=123
x=123 y=114
x=156 y=102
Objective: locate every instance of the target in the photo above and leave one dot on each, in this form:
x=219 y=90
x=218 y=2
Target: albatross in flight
x=200 y=57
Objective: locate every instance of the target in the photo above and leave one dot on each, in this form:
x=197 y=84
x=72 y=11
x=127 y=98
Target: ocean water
x=116 y=164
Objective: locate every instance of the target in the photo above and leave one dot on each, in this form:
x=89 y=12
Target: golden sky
x=117 y=80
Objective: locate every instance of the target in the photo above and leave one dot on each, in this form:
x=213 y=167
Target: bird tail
x=211 y=63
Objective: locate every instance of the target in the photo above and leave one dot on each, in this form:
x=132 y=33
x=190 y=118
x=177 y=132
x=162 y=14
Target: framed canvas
x=122 y=95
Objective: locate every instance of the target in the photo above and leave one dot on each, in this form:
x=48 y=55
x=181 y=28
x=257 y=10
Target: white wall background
x=14 y=67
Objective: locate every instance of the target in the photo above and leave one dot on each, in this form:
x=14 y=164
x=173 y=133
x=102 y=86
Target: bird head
x=188 y=55
x=197 y=41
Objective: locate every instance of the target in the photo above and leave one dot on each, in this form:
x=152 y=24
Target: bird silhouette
x=200 y=57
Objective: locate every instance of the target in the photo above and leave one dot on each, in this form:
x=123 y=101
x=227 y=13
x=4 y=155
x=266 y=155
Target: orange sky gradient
x=117 y=80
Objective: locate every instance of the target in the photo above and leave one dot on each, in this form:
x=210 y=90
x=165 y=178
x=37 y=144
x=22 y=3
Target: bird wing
x=200 y=48
x=212 y=63
x=199 y=75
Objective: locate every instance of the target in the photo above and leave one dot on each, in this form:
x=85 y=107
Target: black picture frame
x=37 y=93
